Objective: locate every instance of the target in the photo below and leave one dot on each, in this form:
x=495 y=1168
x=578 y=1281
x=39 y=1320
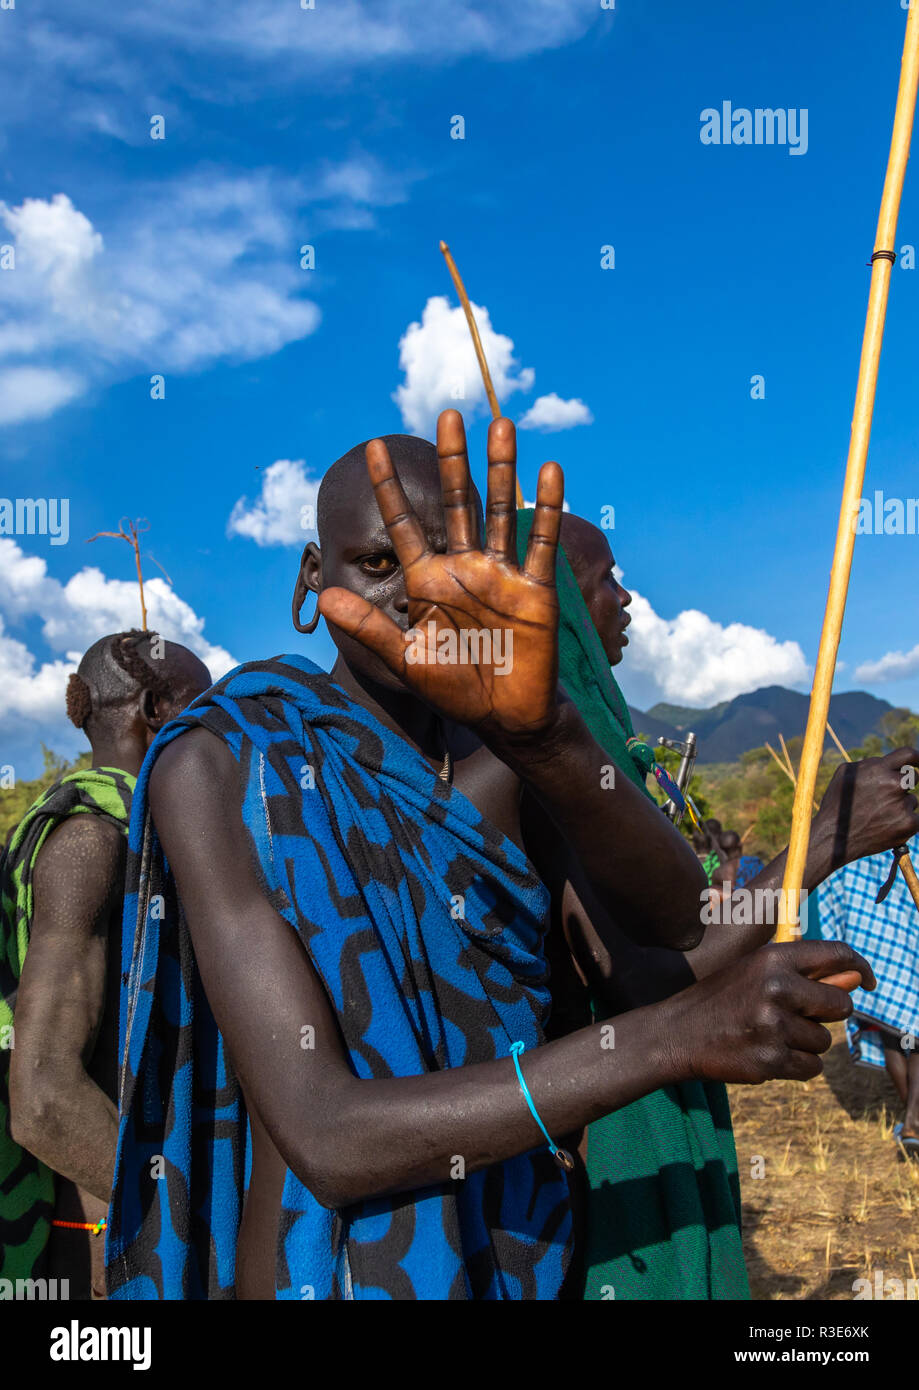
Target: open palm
x=482 y=648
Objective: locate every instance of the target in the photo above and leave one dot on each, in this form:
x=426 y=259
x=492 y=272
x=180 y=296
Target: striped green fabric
x=663 y=1212
x=27 y=1185
x=710 y=863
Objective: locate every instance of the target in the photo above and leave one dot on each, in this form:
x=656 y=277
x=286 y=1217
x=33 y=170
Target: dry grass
x=835 y=1201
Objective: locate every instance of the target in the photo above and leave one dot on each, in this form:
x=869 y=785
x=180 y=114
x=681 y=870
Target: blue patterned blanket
x=364 y=851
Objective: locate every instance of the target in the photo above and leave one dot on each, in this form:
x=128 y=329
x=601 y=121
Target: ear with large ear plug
x=312 y=558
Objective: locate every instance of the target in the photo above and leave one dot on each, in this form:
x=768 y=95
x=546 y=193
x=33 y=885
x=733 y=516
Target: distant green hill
x=751 y=795
x=731 y=728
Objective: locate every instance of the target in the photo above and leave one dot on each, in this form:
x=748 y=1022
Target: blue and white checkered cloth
x=887 y=935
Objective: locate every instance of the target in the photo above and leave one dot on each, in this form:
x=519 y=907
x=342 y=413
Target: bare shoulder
x=79 y=876
x=80 y=843
x=196 y=805
x=196 y=767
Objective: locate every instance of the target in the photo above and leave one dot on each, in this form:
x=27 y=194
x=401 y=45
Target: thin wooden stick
x=747 y=832
x=904 y=861
x=882 y=266
x=791 y=766
x=476 y=343
x=134 y=531
x=779 y=763
x=788 y=770
x=830 y=730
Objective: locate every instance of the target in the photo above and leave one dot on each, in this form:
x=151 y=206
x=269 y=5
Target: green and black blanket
x=26 y=1184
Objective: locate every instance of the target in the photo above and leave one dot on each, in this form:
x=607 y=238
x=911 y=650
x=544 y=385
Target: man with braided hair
x=61 y=893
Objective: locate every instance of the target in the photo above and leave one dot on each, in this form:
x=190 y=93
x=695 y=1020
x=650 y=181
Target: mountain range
x=727 y=730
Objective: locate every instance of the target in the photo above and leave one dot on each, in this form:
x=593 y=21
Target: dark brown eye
x=380 y=566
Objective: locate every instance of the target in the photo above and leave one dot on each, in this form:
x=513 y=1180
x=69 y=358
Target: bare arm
x=349 y=1139
x=865 y=810
x=615 y=833
x=57 y=1111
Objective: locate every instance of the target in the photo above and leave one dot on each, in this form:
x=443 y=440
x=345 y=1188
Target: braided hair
x=112 y=671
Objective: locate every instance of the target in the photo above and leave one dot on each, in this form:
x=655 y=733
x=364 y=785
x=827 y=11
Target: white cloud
x=102 y=47
x=366 y=31
x=195 y=270
x=440 y=365
x=893 y=666
x=31 y=393
x=552 y=413
x=199 y=270
x=284 y=512
x=693 y=660
x=71 y=617
x=32 y=706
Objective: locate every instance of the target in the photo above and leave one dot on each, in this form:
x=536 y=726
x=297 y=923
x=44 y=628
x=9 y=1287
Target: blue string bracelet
x=562 y=1156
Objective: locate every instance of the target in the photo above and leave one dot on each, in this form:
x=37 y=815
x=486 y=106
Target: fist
x=869 y=807
x=762 y=1017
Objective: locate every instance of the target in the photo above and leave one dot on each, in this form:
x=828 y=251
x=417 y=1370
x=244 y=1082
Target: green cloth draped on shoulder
x=26 y=1184
x=663 y=1212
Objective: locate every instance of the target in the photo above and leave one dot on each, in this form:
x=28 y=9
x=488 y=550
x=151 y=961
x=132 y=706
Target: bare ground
x=835 y=1201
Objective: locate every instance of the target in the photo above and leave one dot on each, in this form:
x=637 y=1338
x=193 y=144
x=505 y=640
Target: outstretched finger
x=543 y=543
x=460 y=520
x=367 y=624
x=405 y=531
x=501 y=501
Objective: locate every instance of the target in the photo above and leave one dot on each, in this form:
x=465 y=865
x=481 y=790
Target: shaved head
x=355 y=551
x=345 y=485
x=121 y=670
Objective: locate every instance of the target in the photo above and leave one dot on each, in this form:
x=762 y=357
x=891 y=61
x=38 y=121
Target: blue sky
x=332 y=127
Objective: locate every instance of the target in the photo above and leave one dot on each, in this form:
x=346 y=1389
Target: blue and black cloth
x=364 y=851
x=750 y=865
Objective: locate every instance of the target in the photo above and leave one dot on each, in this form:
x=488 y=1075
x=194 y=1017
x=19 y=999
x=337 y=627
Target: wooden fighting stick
x=476 y=343
x=882 y=261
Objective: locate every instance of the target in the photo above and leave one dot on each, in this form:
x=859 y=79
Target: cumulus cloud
x=71 y=617
x=693 y=660
x=198 y=271
x=440 y=367
x=893 y=666
x=284 y=513
x=31 y=393
x=552 y=413
x=195 y=270
x=32 y=706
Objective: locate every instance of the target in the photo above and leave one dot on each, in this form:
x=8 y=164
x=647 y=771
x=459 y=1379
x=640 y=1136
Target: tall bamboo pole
x=882 y=262
x=476 y=343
